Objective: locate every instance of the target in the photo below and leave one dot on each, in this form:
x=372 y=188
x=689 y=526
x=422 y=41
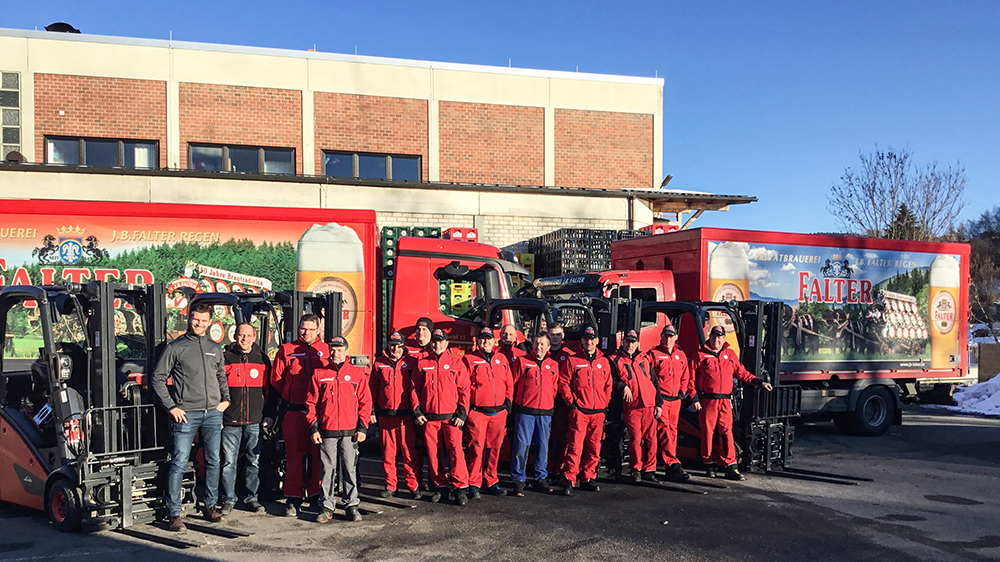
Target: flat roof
x=662 y=199
x=291 y=53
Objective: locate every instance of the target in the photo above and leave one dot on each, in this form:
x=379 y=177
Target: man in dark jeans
x=196 y=399
x=247 y=369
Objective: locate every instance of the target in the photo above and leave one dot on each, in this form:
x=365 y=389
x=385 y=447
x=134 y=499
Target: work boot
x=495 y=490
x=416 y=493
x=461 y=497
x=176 y=525
x=711 y=471
x=315 y=502
x=436 y=496
x=292 y=507
x=732 y=473
x=590 y=486
x=542 y=486
x=474 y=493
x=518 y=489
x=649 y=476
x=255 y=507
x=352 y=513
x=387 y=493
x=567 y=488
x=636 y=477
x=324 y=516
x=675 y=473
x=226 y=509
x=212 y=515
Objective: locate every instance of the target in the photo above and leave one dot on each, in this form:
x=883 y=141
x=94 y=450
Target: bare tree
x=872 y=199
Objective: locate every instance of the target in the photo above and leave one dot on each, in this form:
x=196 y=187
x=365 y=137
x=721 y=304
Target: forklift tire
x=64 y=506
x=874 y=412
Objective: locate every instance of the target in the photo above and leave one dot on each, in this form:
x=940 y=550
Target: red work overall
x=391 y=387
x=291 y=376
x=441 y=394
x=492 y=389
x=560 y=419
x=713 y=380
x=673 y=374
x=585 y=386
x=636 y=373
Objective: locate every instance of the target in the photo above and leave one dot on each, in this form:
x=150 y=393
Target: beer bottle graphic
x=330 y=258
x=943 y=300
x=728 y=280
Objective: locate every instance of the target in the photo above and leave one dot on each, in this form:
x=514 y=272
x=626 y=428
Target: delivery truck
x=868 y=323
x=195 y=249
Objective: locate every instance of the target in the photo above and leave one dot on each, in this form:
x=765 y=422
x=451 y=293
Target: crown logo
x=836 y=257
x=70 y=230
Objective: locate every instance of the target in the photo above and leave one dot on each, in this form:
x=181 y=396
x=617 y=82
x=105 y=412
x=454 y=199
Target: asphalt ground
x=934 y=497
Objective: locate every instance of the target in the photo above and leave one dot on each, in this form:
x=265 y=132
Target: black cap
x=589 y=332
x=338 y=341
x=425 y=322
x=717 y=331
x=486 y=333
x=669 y=330
x=439 y=335
x=396 y=338
x=631 y=336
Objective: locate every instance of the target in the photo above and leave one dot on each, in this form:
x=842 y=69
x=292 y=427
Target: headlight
x=65 y=368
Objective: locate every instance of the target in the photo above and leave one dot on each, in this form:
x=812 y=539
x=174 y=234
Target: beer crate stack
x=575 y=250
x=388 y=247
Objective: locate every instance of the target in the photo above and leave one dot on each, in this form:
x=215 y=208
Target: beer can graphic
x=943 y=301
x=330 y=258
x=728 y=280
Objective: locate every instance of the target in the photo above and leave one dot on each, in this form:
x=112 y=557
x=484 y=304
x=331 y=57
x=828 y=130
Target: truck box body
x=858 y=308
x=197 y=248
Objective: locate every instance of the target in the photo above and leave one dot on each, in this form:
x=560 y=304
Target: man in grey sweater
x=195 y=400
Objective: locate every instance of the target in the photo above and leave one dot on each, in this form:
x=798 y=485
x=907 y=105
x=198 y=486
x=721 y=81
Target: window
x=10 y=113
x=396 y=167
x=243 y=159
x=109 y=153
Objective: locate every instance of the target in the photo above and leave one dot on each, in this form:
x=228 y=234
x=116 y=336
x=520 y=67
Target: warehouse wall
x=91 y=106
x=487 y=143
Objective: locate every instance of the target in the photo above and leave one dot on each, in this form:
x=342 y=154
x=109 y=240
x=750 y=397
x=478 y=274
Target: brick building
x=160 y=121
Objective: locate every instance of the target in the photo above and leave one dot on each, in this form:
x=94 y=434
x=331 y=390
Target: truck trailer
x=868 y=323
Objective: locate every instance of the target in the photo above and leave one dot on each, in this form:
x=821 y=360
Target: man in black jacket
x=196 y=399
x=247 y=369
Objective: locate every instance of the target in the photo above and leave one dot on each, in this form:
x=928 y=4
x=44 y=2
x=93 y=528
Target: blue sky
x=771 y=99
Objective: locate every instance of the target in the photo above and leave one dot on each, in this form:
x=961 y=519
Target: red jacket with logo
x=293 y=369
x=391 y=385
x=636 y=373
x=714 y=372
x=673 y=372
x=440 y=387
x=512 y=352
x=585 y=382
x=338 y=403
x=535 y=385
x=246 y=375
x=491 y=381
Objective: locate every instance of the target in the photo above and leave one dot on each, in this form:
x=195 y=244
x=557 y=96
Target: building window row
x=10 y=113
x=127 y=153
x=109 y=153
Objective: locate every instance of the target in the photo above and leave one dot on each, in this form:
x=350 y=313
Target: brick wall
x=370 y=124
x=484 y=143
x=603 y=149
x=219 y=114
x=100 y=107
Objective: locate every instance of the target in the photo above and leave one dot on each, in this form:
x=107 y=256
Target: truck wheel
x=874 y=412
x=64 y=507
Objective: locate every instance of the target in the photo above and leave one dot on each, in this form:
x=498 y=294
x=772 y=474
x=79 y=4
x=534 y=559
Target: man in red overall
x=391 y=387
x=440 y=399
x=560 y=412
x=585 y=387
x=291 y=376
x=641 y=403
x=673 y=375
x=492 y=388
x=714 y=370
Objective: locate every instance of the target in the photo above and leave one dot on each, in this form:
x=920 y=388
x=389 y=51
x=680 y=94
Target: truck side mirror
x=491 y=280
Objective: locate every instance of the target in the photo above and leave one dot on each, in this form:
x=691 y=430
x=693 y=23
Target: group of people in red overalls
x=460 y=407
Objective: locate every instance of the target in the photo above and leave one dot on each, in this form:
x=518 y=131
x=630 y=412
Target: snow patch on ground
x=982 y=398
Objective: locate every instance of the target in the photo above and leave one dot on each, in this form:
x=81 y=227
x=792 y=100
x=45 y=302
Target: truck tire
x=873 y=412
x=64 y=506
